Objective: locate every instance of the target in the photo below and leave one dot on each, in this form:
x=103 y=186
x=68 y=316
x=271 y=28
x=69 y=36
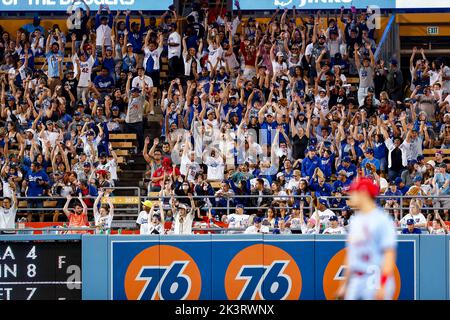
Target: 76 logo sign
x=169 y=282
x=270 y=282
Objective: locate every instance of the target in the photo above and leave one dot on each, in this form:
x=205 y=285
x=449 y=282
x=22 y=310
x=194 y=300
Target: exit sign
x=433 y=30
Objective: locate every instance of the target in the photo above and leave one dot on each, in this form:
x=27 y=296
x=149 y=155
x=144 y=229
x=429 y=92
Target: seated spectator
x=257 y=227
x=414 y=213
x=411 y=228
x=334 y=227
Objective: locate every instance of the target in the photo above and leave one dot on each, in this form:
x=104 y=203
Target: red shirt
x=248 y=58
x=160 y=172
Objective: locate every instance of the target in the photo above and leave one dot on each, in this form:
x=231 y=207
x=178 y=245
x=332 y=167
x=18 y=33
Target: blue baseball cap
x=86 y=164
x=333 y=218
x=420 y=158
x=240 y=205
x=347 y=159
x=91 y=100
x=323 y=201
x=257 y=220
x=417 y=179
x=311 y=148
x=276 y=231
x=77 y=113
x=296 y=206
x=369 y=150
x=412 y=162
x=115 y=108
x=398 y=180
x=410 y=222
x=346 y=208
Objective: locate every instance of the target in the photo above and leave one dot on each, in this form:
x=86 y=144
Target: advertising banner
x=315 y=4
x=265 y=267
x=330 y=268
x=236 y=267
x=62 y=5
x=170 y=269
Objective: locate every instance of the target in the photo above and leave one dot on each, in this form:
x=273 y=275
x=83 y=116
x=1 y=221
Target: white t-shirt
x=254 y=230
x=7 y=217
x=51 y=136
x=215 y=168
x=213 y=55
x=155 y=229
x=155 y=54
x=111 y=167
x=277 y=67
x=418 y=219
x=446 y=83
x=323 y=102
x=87 y=148
x=337 y=230
x=174 y=37
x=85 y=72
x=183 y=225
x=189 y=168
x=237 y=220
x=137 y=81
x=293 y=184
x=325 y=215
x=105 y=222
x=188 y=64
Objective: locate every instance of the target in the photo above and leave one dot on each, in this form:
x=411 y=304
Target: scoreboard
x=40 y=270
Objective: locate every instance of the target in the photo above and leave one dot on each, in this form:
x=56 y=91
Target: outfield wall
x=208 y=267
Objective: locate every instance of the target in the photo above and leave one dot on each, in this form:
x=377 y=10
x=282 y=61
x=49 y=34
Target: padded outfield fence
x=204 y=267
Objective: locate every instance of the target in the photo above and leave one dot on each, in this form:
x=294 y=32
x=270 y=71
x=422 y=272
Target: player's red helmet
x=366 y=185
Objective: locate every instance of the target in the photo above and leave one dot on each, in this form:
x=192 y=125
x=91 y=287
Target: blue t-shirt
x=374 y=161
x=104 y=82
x=52 y=62
x=34 y=188
x=415 y=231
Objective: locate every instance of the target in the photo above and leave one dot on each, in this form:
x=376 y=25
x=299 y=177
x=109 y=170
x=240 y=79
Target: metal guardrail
x=131 y=224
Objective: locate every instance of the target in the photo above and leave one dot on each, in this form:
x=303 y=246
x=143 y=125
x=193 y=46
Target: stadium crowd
x=284 y=115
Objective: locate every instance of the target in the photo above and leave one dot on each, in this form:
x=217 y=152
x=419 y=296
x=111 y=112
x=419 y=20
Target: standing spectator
x=174 y=43
x=134 y=118
x=36 y=181
x=77 y=218
x=366 y=72
x=103 y=28
x=8 y=210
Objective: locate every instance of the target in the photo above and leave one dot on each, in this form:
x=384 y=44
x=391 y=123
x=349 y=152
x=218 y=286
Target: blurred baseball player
x=371 y=247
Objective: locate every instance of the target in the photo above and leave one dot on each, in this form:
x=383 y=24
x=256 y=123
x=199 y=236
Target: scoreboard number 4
x=32 y=254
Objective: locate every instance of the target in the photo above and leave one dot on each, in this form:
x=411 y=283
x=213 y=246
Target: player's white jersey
x=337 y=230
x=143 y=221
x=370 y=234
